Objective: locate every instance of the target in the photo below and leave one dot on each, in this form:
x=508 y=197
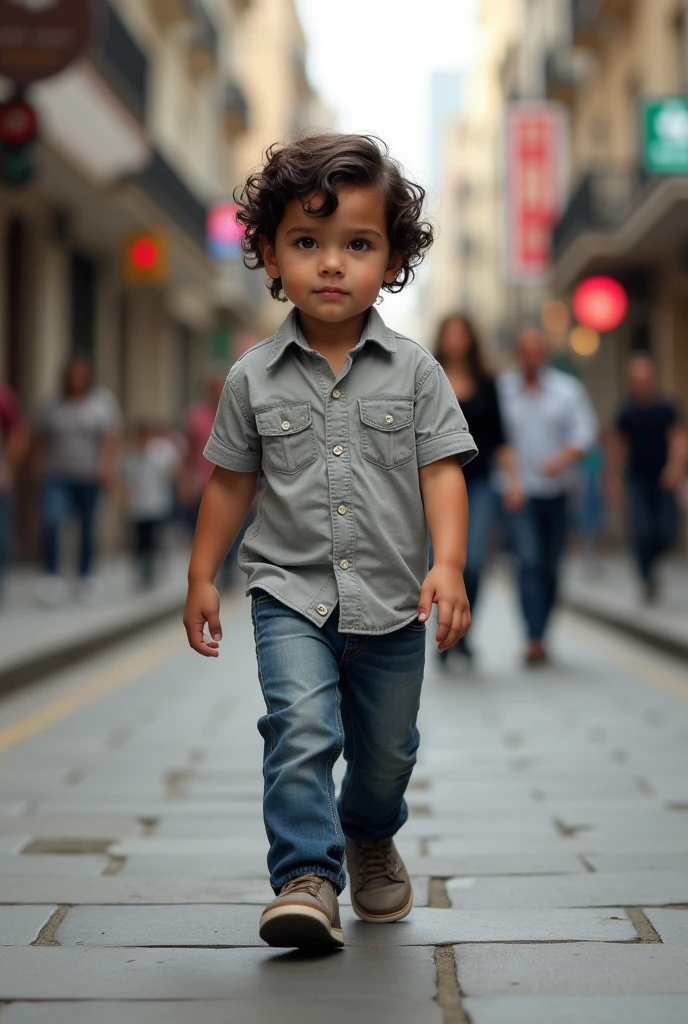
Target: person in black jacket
x=459 y=352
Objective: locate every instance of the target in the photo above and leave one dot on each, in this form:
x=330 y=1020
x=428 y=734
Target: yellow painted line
x=62 y=707
x=630 y=656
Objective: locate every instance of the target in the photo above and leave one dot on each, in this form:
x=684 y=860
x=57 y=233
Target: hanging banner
x=40 y=38
x=535 y=175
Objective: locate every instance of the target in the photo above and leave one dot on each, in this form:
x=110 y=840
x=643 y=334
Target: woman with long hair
x=459 y=352
x=77 y=445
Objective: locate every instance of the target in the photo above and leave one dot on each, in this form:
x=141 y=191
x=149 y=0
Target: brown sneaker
x=306 y=913
x=380 y=886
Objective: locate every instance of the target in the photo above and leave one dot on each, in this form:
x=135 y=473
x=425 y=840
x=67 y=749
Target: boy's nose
x=331 y=263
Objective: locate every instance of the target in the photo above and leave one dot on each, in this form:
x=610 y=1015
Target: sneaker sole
x=389 y=918
x=298 y=928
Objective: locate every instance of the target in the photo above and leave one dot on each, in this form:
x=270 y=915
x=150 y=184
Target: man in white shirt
x=550 y=423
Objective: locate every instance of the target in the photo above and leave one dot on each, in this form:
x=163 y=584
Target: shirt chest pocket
x=287 y=437
x=387 y=432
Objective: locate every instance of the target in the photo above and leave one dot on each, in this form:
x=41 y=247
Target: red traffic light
x=18 y=122
x=600 y=303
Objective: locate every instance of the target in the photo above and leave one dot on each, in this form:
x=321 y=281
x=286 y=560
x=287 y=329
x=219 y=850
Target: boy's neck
x=330 y=337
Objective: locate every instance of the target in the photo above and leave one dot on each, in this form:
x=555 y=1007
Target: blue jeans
x=538 y=535
x=653 y=523
x=325 y=692
x=62 y=498
x=481 y=506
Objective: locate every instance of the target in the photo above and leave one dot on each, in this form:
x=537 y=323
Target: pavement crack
x=646 y=931
x=63 y=845
x=586 y=863
x=448 y=990
x=570 y=831
x=114 y=866
x=438 y=896
x=46 y=936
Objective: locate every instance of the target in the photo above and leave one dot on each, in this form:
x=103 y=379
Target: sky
x=372 y=61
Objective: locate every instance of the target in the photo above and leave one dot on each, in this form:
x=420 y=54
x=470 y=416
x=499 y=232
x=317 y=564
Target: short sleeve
x=441 y=428
x=234 y=442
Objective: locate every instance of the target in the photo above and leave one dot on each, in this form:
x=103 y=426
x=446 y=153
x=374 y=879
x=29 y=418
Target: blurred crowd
x=545 y=470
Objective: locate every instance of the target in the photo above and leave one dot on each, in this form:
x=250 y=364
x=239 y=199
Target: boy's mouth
x=330 y=290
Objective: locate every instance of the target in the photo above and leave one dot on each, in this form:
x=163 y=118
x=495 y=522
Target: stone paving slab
x=13 y=844
x=238 y=926
x=19 y=926
x=535 y=863
x=77 y=826
x=46 y=865
x=208 y=974
x=564 y=969
x=623 y=861
x=627 y=889
x=671 y=925
x=575 y=1010
x=256 y=1011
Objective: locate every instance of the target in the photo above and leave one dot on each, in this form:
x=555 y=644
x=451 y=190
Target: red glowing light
x=145 y=254
x=600 y=303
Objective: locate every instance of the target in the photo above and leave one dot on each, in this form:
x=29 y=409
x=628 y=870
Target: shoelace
x=310 y=884
x=375 y=861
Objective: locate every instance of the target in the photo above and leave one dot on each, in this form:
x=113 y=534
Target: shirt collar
x=289 y=333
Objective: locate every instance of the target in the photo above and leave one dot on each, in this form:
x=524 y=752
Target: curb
x=31 y=669
x=664 y=641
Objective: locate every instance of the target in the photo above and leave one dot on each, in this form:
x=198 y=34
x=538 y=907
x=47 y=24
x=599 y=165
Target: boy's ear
x=393 y=267
x=267 y=251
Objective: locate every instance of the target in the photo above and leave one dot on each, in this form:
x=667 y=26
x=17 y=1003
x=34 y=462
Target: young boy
x=360 y=439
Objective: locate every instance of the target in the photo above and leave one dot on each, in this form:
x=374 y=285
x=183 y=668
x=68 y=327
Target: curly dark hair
x=323 y=162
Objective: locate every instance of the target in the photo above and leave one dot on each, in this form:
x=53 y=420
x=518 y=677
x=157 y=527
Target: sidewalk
x=612 y=596
x=36 y=640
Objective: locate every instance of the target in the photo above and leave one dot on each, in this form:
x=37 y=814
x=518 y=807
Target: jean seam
x=352 y=770
x=328 y=772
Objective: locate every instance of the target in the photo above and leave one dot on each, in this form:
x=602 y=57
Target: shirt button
x=336 y=393
x=321 y=609
x=344 y=564
x=338 y=450
x=389 y=419
x=342 y=510
x=286 y=425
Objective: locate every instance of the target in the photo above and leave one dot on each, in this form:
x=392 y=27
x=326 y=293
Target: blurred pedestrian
x=651 y=450
x=196 y=469
x=590 y=505
x=13 y=445
x=551 y=424
x=459 y=352
x=77 y=447
x=149 y=468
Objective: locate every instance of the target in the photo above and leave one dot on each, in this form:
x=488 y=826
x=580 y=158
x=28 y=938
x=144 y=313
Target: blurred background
x=551 y=136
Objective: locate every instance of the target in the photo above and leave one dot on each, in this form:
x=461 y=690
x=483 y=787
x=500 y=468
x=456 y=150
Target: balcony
x=603 y=200
x=121 y=61
x=235 y=109
x=164 y=186
x=204 y=41
x=593 y=21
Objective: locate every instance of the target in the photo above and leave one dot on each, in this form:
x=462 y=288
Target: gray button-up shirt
x=341 y=520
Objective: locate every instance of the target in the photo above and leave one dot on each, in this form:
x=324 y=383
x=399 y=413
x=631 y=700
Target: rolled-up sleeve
x=234 y=442
x=582 y=425
x=441 y=428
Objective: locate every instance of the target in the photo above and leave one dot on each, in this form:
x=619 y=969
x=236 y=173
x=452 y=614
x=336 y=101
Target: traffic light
x=145 y=259
x=18 y=130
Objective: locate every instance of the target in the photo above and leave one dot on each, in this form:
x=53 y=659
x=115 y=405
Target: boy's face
x=332 y=268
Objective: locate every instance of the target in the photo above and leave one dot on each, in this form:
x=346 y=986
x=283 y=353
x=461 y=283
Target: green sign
x=665 y=135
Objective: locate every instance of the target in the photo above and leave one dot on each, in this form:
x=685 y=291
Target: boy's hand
x=203 y=605
x=444 y=587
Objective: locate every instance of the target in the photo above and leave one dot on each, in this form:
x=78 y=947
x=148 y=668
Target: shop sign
x=224 y=232
x=40 y=38
x=665 y=135
x=535 y=161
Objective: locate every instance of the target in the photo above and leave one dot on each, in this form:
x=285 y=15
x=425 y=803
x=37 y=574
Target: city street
x=548 y=840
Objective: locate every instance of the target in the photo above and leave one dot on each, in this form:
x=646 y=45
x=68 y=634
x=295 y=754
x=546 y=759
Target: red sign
x=535 y=160
x=601 y=303
x=40 y=38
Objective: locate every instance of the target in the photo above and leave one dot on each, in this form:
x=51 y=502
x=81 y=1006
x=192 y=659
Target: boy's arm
x=446 y=509
x=226 y=501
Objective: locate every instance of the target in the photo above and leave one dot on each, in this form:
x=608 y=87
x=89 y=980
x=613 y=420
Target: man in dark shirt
x=651 y=449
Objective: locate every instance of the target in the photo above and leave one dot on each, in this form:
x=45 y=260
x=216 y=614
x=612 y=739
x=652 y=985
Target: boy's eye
x=306 y=243
x=359 y=245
